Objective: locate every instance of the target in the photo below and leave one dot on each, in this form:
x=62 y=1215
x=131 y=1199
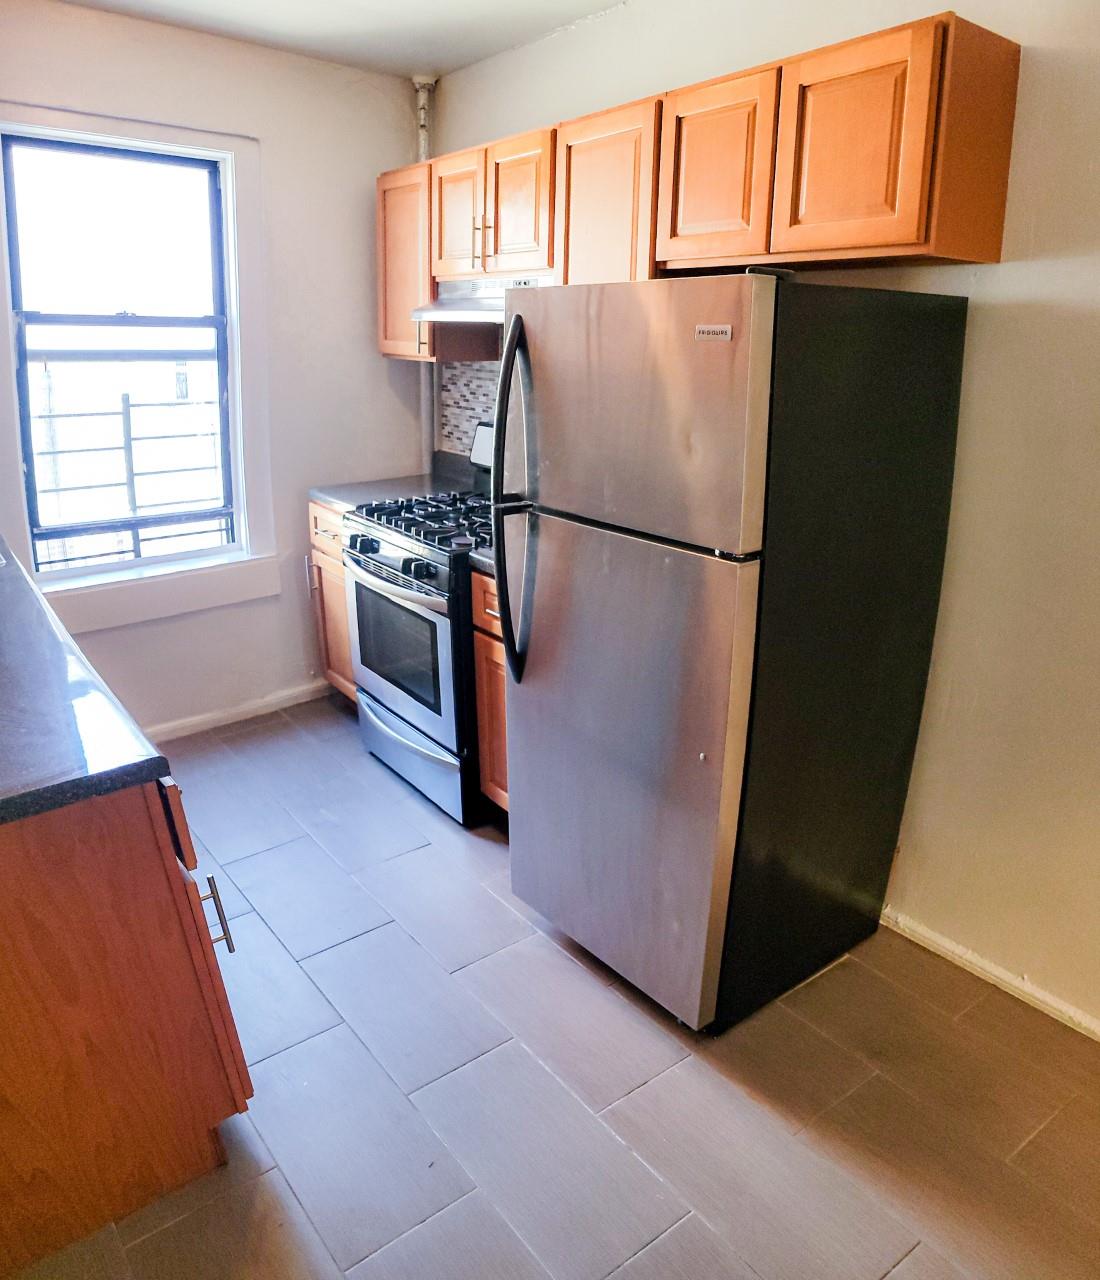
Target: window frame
x=218 y=321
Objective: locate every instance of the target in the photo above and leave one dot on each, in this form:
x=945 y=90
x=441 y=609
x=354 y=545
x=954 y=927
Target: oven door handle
x=414 y=747
x=401 y=595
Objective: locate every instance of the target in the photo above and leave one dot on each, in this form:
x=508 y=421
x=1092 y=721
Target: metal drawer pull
x=326 y=533
x=216 y=898
x=491 y=613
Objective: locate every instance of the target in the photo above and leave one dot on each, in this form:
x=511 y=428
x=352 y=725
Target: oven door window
x=399 y=646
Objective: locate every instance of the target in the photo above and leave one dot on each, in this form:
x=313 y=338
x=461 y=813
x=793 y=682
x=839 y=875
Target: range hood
x=474 y=301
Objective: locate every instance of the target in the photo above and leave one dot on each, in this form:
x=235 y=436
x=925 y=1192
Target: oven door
x=401 y=650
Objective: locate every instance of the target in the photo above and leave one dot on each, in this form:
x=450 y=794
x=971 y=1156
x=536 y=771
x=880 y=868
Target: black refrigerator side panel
x=860 y=462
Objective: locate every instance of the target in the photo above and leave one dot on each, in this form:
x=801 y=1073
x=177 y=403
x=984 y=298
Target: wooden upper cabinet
x=717 y=149
x=458 y=210
x=404 y=266
x=854 y=151
x=519 y=203
x=606 y=184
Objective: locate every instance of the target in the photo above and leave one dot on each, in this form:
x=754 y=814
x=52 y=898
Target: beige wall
x=338 y=411
x=1000 y=846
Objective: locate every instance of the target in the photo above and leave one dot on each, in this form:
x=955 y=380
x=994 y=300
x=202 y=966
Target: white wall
x=1000 y=846
x=338 y=411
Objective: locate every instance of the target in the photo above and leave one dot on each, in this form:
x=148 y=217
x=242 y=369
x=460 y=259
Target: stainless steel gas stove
x=408 y=594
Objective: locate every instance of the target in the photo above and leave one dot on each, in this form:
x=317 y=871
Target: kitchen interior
x=548 y=706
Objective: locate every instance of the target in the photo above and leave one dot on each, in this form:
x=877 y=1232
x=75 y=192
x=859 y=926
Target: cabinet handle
x=475 y=257
x=420 y=342
x=492 y=613
x=215 y=897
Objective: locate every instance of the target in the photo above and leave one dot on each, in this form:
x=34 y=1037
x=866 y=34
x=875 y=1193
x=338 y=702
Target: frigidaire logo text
x=713 y=332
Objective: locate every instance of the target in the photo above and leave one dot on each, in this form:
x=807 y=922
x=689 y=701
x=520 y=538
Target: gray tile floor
x=447 y=1089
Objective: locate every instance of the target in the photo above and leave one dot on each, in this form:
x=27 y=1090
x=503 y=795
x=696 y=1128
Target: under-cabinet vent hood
x=474 y=301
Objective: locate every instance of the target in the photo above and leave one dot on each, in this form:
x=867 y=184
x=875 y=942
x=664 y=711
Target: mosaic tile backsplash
x=467 y=392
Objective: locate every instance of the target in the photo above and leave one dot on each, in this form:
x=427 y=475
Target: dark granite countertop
x=449 y=471
x=64 y=736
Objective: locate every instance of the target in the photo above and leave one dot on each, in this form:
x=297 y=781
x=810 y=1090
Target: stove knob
x=363 y=544
x=421 y=569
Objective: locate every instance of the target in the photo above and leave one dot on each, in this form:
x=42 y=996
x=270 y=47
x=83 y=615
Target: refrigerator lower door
x=626 y=742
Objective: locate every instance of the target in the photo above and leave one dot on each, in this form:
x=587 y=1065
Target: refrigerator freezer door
x=647 y=406
x=626 y=746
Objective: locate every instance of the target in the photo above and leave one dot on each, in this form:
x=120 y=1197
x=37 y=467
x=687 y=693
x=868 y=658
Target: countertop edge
x=57 y=795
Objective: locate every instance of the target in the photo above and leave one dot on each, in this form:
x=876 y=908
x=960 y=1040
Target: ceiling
x=402 y=36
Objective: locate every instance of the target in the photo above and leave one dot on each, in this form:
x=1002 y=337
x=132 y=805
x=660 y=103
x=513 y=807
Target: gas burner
x=451 y=521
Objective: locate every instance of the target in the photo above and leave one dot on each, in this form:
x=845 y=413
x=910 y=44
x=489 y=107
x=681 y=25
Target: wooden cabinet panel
x=458 y=210
x=492 y=728
x=325 y=527
x=331 y=614
x=715 y=186
x=606 y=183
x=114 y=1072
x=404 y=261
x=519 y=202
x=486 y=606
x=854 y=149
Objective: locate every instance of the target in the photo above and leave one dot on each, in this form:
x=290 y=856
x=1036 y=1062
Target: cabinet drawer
x=485 y=603
x=325 y=527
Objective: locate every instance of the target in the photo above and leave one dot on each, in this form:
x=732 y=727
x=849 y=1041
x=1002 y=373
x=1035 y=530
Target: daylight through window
x=118 y=293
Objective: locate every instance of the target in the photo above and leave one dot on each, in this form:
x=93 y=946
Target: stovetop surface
x=452 y=522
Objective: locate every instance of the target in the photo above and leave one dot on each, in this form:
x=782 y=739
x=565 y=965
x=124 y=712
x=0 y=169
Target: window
x=119 y=301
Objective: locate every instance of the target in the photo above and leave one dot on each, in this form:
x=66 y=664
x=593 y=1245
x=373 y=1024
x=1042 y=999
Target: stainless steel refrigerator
x=721 y=507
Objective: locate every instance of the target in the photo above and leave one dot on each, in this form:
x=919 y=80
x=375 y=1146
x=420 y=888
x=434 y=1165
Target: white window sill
x=141 y=593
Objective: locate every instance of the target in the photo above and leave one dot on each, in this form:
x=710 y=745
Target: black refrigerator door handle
x=512 y=345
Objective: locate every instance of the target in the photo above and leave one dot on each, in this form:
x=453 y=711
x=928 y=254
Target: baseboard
x=242 y=711
x=1013 y=983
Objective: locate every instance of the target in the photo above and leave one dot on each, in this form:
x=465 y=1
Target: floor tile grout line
x=817 y=1115
x=885 y=1072
x=411 y=1095
x=1032 y=1136
x=415 y=1226
x=923 y=1001
x=659 y=1236
x=887 y=1274
x=971 y=1007
x=220 y=1195
x=304 y=1040
x=957 y=1019
x=226 y=863
x=599 y=1111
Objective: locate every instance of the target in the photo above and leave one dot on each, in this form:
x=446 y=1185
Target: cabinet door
x=717 y=152
x=404 y=261
x=606 y=182
x=458 y=209
x=519 y=201
x=118 y=1056
x=331 y=612
x=492 y=729
x=853 y=156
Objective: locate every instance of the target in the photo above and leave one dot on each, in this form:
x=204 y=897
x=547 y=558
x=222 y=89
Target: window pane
x=100 y=428
x=175 y=539
x=130 y=338
x=84 y=549
x=104 y=233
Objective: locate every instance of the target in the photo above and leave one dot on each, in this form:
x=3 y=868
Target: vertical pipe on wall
x=429 y=374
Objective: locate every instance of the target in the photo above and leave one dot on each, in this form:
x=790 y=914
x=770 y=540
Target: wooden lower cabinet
x=119 y=1057
x=326 y=587
x=491 y=677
